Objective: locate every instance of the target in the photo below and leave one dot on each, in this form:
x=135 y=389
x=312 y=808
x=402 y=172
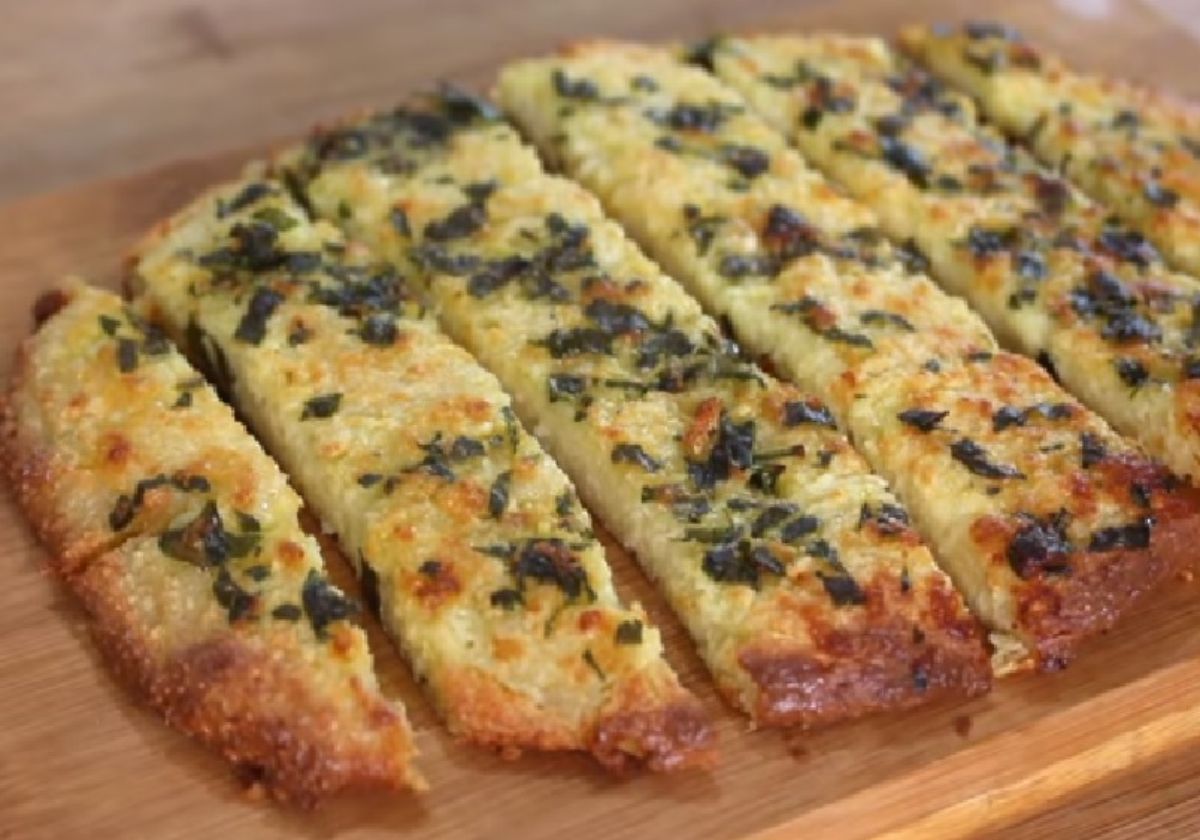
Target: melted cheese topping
x=716 y=196
x=993 y=459
x=1048 y=270
x=762 y=526
x=470 y=541
x=180 y=533
x=1135 y=149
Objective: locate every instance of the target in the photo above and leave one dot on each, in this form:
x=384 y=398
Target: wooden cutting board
x=78 y=759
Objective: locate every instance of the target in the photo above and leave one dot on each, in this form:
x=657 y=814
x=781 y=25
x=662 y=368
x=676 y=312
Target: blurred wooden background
x=91 y=88
x=96 y=88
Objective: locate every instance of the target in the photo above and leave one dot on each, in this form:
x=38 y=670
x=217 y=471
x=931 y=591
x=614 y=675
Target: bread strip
x=1135 y=149
x=182 y=540
x=469 y=540
x=805 y=590
x=982 y=446
x=1051 y=273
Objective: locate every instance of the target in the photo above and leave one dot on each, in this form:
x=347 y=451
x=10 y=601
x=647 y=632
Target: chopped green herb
x=127 y=355
x=322 y=407
x=975 y=458
x=237 y=602
x=633 y=453
x=629 y=632
x=921 y=419
x=498 y=494
x=253 y=326
x=323 y=603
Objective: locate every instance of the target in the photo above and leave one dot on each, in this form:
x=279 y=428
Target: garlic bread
x=1051 y=272
x=469 y=541
x=1135 y=149
x=808 y=594
x=803 y=274
x=920 y=353
x=181 y=538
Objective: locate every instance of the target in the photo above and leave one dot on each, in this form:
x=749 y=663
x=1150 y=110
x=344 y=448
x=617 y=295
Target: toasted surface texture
x=719 y=199
x=1135 y=149
x=470 y=542
x=181 y=538
x=1052 y=273
x=844 y=314
x=796 y=572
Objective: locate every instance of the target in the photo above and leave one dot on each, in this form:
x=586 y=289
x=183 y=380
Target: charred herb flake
x=921 y=419
x=127 y=355
x=741 y=562
x=1040 y=546
x=629 y=632
x=321 y=407
x=498 y=494
x=975 y=458
x=732 y=449
x=888 y=518
x=236 y=601
x=379 y=330
x=797 y=413
x=633 y=453
x=1132 y=537
x=1132 y=372
x=323 y=603
x=842 y=589
x=253 y=326
x=570 y=88
x=459 y=224
x=1092 y=450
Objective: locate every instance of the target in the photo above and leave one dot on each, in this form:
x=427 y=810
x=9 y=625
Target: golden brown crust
x=1056 y=613
x=35 y=475
x=244 y=647
x=480 y=709
x=880 y=662
x=657 y=724
x=648 y=722
x=701 y=475
x=513 y=660
x=240 y=697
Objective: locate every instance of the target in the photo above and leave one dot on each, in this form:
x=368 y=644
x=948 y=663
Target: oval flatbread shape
x=181 y=538
x=750 y=520
x=471 y=544
x=981 y=445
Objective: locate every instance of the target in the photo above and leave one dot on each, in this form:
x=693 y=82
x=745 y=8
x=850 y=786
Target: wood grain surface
x=1105 y=750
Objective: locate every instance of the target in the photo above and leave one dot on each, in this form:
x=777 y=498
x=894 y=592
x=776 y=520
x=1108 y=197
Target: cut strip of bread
x=469 y=540
x=718 y=198
x=794 y=569
x=181 y=538
x=1050 y=272
x=1136 y=149
x=992 y=444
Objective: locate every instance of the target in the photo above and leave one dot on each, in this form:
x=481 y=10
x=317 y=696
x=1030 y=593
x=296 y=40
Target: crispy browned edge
x=209 y=691
x=1056 y=614
x=214 y=692
x=873 y=665
x=1105 y=585
x=32 y=470
x=853 y=672
x=649 y=721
